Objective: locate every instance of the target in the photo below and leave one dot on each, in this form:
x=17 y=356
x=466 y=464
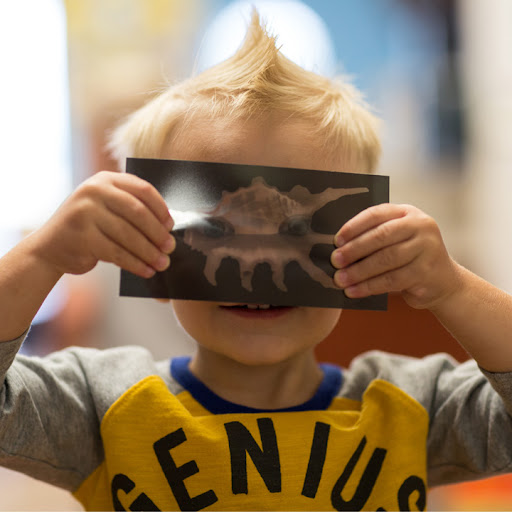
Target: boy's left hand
x=394 y=248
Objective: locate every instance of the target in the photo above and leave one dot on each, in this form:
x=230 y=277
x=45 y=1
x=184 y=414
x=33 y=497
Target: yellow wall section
x=369 y=455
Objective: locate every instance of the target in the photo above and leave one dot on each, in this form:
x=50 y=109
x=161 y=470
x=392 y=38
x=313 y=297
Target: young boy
x=251 y=421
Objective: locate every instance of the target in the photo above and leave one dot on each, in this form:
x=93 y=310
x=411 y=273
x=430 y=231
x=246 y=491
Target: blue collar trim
x=329 y=388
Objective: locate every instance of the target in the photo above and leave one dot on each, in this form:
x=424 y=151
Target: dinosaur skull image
x=259 y=224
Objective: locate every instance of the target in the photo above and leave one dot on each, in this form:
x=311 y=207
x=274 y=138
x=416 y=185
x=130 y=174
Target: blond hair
x=257 y=80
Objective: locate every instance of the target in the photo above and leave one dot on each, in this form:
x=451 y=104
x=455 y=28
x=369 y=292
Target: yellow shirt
x=194 y=451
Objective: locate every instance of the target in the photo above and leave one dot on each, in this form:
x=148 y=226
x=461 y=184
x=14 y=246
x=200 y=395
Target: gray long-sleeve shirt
x=123 y=431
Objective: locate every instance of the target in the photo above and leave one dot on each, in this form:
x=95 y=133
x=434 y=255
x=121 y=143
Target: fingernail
x=162 y=262
x=351 y=292
x=149 y=272
x=337 y=259
x=169 y=224
x=168 y=245
x=341 y=278
x=338 y=241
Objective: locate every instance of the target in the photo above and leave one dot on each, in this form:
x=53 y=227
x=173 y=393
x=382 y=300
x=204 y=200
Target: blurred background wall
x=438 y=72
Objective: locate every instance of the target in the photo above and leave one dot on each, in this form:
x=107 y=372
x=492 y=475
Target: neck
x=275 y=386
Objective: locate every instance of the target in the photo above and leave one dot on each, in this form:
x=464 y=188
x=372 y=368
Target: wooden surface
x=401 y=330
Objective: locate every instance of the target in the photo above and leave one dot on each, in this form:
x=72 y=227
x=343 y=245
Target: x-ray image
x=254 y=234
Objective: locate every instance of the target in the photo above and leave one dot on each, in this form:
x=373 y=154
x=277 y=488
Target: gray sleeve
x=470 y=431
x=51 y=408
x=48 y=426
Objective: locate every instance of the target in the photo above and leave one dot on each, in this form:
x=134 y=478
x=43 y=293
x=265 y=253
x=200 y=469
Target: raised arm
x=112 y=217
x=479 y=316
x=25 y=281
x=398 y=248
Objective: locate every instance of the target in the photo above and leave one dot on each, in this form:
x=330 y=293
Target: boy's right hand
x=112 y=217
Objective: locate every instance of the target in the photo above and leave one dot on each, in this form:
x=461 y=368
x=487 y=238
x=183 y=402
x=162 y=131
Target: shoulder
x=425 y=379
x=90 y=361
x=116 y=359
x=102 y=374
x=387 y=364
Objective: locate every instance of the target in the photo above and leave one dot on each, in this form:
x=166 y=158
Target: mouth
x=256 y=310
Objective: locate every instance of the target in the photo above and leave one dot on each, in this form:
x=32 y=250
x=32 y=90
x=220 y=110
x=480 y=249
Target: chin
x=265 y=354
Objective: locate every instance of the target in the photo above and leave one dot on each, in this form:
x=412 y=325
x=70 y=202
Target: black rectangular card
x=254 y=234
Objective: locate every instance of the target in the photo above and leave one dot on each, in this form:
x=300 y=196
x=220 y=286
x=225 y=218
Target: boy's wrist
x=36 y=256
x=453 y=295
x=25 y=281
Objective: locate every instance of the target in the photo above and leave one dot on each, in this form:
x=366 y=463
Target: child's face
x=247 y=336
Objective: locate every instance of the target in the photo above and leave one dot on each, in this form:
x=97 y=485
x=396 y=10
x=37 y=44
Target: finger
x=148 y=194
x=125 y=235
x=130 y=208
x=386 y=234
x=368 y=219
x=383 y=261
x=111 y=252
x=394 y=281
